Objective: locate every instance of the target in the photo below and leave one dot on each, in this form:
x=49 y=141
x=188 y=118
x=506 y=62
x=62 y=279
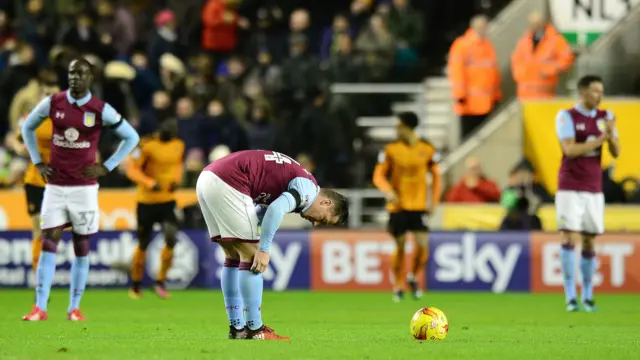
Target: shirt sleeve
x=110 y=117
x=564 y=126
x=273 y=218
x=31 y=123
x=304 y=193
x=129 y=141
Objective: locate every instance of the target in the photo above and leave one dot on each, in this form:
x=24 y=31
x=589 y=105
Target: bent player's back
x=76 y=133
x=261 y=174
x=408 y=166
x=582 y=173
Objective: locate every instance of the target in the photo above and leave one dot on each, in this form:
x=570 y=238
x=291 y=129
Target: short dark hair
x=587 y=80
x=409 y=119
x=340 y=205
x=83 y=61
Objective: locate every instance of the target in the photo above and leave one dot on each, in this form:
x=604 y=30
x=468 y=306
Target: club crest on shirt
x=89 y=119
x=601 y=125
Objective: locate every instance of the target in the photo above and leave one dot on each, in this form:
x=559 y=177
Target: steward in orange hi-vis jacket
x=539 y=58
x=474 y=75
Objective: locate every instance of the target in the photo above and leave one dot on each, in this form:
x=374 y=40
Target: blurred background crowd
x=256 y=74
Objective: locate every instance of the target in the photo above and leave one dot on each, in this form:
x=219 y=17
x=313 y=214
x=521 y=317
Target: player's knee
x=400 y=242
x=37 y=233
x=170 y=232
x=49 y=245
x=52 y=234
x=81 y=245
x=246 y=251
x=588 y=243
x=144 y=238
x=569 y=238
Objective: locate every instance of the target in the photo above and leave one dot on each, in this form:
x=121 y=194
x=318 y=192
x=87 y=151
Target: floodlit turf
x=193 y=325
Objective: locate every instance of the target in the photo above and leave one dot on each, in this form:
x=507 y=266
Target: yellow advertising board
x=117 y=208
x=542 y=147
x=488 y=217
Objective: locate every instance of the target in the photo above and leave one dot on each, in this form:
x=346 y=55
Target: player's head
x=80 y=77
x=406 y=125
x=168 y=129
x=591 y=90
x=330 y=208
x=48 y=81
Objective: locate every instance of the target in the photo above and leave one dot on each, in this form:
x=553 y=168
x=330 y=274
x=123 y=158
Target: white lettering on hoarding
x=361 y=262
x=616 y=252
x=280 y=268
x=463 y=261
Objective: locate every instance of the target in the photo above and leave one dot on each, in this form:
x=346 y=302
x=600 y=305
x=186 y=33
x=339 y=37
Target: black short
x=403 y=221
x=149 y=214
x=34 y=196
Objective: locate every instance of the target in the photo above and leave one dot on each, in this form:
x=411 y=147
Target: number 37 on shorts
x=75 y=206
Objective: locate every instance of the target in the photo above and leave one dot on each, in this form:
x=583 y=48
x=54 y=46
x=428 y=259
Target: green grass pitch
x=192 y=325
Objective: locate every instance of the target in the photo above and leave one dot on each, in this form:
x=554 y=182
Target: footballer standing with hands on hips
x=71 y=193
x=582 y=131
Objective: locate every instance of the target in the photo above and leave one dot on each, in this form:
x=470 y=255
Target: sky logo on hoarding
x=282 y=263
x=468 y=262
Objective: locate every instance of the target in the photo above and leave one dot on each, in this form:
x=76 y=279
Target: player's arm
x=179 y=171
x=612 y=141
x=380 y=175
x=127 y=134
x=134 y=168
x=436 y=180
x=300 y=195
x=567 y=136
x=31 y=123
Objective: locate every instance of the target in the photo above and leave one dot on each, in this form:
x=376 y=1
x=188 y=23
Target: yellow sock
x=419 y=261
x=137 y=268
x=36 y=249
x=397 y=268
x=165 y=264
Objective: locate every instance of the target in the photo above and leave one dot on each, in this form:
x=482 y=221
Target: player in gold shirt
x=407 y=162
x=33 y=182
x=156 y=167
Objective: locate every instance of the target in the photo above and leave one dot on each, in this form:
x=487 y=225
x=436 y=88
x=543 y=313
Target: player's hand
x=609 y=126
x=391 y=196
x=260 y=262
x=94 y=171
x=46 y=171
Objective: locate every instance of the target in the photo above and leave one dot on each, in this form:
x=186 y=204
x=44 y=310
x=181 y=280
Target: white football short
x=230 y=215
x=580 y=211
x=75 y=206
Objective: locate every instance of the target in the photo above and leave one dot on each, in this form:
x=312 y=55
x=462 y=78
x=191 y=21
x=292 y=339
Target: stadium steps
x=435 y=123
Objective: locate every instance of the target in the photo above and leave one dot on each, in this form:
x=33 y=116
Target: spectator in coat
x=164 y=40
x=541 y=55
x=220 y=28
x=330 y=35
x=474 y=75
x=474 y=187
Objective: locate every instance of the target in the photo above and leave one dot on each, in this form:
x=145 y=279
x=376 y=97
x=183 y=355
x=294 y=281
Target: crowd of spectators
x=236 y=74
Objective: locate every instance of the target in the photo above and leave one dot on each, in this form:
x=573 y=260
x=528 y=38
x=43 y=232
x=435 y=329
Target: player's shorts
x=402 y=221
x=34 y=195
x=75 y=206
x=230 y=215
x=149 y=214
x=580 y=211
